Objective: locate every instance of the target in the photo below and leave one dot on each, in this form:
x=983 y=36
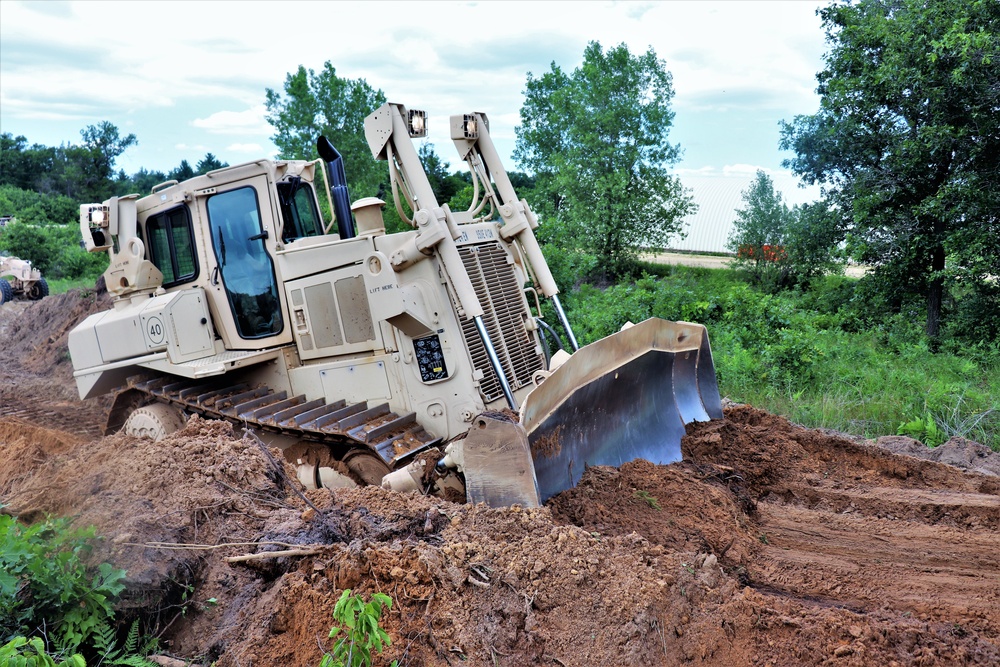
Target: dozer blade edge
x=627 y=396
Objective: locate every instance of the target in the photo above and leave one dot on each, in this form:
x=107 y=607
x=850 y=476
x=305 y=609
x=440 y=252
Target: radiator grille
x=503 y=315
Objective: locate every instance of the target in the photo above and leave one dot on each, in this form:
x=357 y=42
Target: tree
x=444 y=185
x=23 y=166
x=142 y=181
x=759 y=233
x=182 y=172
x=323 y=103
x=907 y=142
x=596 y=141
x=94 y=161
x=780 y=246
x=209 y=163
x=812 y=242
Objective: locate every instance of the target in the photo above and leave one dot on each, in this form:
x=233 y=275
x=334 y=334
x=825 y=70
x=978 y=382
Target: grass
x=63 y=285
x=810 y=357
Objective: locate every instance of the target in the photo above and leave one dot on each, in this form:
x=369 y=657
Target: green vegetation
x=779 y=246
x=359 y=622
x=906 y=143
x=596 y=140
x=818 y=354
x=46 y=234
x=42 y=187
x=54 y=611
x=24 y=652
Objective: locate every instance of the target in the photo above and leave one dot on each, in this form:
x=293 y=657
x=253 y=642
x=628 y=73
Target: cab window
x=298 y=210
x=170 y=239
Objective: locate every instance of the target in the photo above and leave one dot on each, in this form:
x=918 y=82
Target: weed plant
x=359 y=636
x=54 y=610
x=817 y=355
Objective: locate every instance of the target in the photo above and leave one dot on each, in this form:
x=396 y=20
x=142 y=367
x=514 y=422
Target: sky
x=188 y=78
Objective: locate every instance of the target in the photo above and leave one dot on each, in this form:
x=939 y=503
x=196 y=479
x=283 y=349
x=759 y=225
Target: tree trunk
x=935 y=293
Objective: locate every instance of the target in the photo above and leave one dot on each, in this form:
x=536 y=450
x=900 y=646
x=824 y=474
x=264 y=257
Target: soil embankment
x=770 y=544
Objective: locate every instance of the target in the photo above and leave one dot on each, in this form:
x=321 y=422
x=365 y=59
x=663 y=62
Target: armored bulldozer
x=417 y=360
x=26 y=282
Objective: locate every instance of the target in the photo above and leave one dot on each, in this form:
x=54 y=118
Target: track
x=343 y=427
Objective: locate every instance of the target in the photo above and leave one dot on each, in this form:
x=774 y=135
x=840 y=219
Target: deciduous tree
x=94 y=160
x=596 y=140
x=322 y=103
x=906 y=142
x=780 y=246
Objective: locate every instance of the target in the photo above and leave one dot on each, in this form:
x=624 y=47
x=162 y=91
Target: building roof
x=718 y=198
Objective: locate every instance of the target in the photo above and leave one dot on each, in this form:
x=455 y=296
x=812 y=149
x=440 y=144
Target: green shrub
x=925 y=430
x=45 y=589
x=817 y=354
x=24 y=652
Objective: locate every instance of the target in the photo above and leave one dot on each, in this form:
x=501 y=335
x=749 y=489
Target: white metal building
x=718 y=198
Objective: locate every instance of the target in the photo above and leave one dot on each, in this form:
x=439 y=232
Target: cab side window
x=170 y=239
x=298 y=210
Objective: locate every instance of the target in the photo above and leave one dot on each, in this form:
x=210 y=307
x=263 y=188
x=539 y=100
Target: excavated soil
x=770 y=544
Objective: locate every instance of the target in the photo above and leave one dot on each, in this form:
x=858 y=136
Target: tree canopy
x=84 y=171
x=906 y=144
x=596 y=141
x=323 y=103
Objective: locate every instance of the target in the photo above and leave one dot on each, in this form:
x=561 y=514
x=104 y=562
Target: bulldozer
x=416 y=360
x=26 y=282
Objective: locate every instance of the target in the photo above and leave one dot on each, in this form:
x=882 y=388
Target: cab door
x=244 y=283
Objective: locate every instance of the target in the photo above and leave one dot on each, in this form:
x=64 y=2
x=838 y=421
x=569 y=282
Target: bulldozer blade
x=627 y=396
x=497 y=464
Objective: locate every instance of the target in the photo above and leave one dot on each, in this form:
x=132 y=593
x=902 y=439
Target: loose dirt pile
x=771 y=544
x=36 y=375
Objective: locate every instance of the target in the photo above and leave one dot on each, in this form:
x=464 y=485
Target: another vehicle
x=26 y=282
x=401 y=359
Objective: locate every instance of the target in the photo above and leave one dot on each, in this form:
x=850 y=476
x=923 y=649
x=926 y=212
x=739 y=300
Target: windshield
x=246 y=267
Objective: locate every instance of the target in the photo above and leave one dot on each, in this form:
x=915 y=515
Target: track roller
x=155 y=421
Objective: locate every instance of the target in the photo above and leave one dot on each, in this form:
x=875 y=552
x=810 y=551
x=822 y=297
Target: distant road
x=717 y=262
x=687 y=259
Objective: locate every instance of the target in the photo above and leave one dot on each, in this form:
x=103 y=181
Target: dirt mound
x=958 y=452
x=771 y=544
x=36 y=375
x=685 y=507
x=38 y=337
x=27 y=447
x=200 y=485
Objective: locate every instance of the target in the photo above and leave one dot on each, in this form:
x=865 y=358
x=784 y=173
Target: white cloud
x=250 y=121
x=211 y=74
x=746 y=170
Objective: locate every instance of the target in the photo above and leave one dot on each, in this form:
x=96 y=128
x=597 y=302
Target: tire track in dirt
x=63 y=417
x=930 y=571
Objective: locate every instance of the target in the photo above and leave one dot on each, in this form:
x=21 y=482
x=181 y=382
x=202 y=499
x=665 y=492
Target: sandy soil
x=770 y=544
